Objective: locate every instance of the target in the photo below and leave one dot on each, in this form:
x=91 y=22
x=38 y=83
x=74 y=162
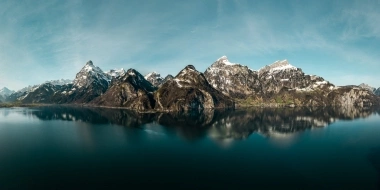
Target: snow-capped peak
x=59 y=82
x=152 y=74
x=278 y=66
x=88 y=74
x=90 y=67
x=154 y=78
x=6 y=92
x=115 y=72
x=225 y=60
x=366 y=86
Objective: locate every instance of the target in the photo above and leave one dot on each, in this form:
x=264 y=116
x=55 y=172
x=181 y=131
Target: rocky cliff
x=234 y=80
x=190 y=90
x=130 y=90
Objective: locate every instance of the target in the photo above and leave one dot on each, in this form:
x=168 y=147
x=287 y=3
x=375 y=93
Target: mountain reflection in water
x=218 y=124
x=257 y=148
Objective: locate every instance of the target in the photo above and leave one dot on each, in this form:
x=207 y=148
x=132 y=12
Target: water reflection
x=218 y=124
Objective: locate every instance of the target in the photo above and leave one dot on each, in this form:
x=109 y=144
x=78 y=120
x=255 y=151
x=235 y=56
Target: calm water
x=67 y=147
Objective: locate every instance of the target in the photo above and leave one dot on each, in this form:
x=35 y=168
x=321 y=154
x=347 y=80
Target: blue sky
x=46 y=40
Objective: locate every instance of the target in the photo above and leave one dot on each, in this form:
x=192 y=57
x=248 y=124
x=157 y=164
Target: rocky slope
x=221 y=85
x=154 y=78
x=281 y=74
x=130 y=90
x=234 y=80
x=190 y=90
x=282 y=84
x=367 y=87
x=88 y=84
x=168 y=77
x=47 y=93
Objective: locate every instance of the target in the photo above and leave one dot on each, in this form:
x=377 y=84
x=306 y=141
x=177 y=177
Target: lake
x=63 y=147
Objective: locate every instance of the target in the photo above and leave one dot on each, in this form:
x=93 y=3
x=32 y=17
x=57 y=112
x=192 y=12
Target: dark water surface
x=293 y=148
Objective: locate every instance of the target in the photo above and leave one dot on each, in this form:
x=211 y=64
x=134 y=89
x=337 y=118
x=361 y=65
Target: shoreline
x=238 y=107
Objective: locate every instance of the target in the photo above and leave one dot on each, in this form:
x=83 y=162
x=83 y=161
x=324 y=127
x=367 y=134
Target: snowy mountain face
x=276 y=67
x=232 y=79
x=282 y=74
x=6 y=92
x=90 y=74
x=59 y=82
x=114 y=73
x=154 y=78
x=367 y=87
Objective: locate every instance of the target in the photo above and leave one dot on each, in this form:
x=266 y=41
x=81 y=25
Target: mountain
x=60 y=82
x=114 y=73
x=223 y=85
x=234 y=80
x=129 y=90
x=168 y=77
x=154 y=78
x=89 y=83
x=281 y=74
x=281 y=83
x=367 y=87
x=377 y=92
x=190 y=90
x=4 y=93
x=47 y=93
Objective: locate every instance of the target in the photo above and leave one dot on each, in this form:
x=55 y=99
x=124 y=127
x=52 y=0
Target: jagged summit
x=223 y=60
x=232 y=79
x=189 y=74
x=154 y=73
x=115 y=72
x=283 y=65
x=189 y=90
x=89 y=74
x=154 y=78
x=367 y=87
x=190 y=67
x=89 y=63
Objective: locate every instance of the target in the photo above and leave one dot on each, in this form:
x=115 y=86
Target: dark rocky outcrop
x=190 y=90
x=130 y=90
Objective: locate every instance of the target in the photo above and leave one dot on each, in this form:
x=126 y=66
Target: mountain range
x=222 y=85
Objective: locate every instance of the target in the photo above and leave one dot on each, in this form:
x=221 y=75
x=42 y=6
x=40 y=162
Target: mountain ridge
x=221 y=86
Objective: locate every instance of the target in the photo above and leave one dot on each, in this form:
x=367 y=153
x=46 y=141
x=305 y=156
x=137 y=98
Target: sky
x=46 y=40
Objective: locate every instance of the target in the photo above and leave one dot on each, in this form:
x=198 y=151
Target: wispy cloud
x=49 y=40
